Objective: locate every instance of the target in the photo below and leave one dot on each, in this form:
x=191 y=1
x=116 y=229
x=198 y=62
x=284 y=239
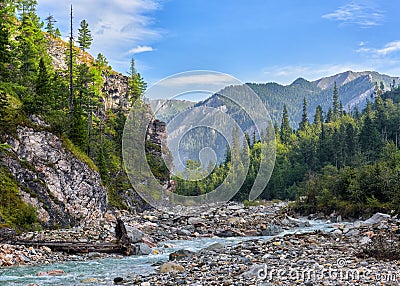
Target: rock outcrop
x=64 y=190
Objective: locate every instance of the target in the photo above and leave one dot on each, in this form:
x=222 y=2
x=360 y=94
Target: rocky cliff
x=64 y=190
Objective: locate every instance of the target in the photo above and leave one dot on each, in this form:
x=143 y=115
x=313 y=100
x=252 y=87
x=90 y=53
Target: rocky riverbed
x=334 y=258
x=274 y=250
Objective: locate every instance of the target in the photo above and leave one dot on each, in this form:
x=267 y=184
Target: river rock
x=184 y=232
x=181 y=254
x=118 y=280
x=376 y=218
x=171 y=267
x=55 y=272
x=271 y=230
x=195 y=221
x=143 y=249
x=134 y=234
x=90 y=280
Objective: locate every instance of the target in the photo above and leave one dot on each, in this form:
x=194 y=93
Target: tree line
x=348 y=162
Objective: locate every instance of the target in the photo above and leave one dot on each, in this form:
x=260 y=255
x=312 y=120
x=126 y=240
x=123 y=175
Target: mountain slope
x=353 y=87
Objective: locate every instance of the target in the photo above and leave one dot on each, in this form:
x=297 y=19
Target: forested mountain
x=353 y=90
x=348 y=163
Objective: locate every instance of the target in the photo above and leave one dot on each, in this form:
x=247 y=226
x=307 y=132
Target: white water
x=105 y=270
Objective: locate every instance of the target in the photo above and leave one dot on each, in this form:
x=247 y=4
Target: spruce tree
x=318 y=118
x=136 y=84
x=43 y=89
x=304 y=117
x=84 y=36
x=57 y=33
x=286 y=130
x=335 y=103
x=50 y=25
x=5 y=53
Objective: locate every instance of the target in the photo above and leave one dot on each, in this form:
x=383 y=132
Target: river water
x=105 y=270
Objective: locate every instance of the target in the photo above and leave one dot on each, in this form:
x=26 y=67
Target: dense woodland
x=339 y=161
x=29 y=84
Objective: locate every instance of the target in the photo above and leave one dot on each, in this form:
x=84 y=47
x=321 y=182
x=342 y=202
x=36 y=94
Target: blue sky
x=253 y=40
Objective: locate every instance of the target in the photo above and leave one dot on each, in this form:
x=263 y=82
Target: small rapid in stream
x=106 y=269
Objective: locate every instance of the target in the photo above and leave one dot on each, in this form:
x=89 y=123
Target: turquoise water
x=105 y=270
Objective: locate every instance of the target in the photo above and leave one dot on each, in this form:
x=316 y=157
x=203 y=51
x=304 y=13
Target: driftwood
x=75 y=247
x=123 y=239
x=123 y=246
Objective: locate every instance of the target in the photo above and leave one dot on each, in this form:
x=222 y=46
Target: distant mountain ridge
x=354 y=89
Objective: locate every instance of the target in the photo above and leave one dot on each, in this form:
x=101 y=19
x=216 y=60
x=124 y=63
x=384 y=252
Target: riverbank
x=338 y=257
x=150 y=228
x=249 y=239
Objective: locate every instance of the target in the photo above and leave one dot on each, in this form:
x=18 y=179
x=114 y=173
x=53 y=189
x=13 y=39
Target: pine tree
x=286 y=130
x=329 y=115
x=43 y=89
x=5 y=53
x=136 y=84
x=84 y=36
x=304 y=118
x=335 y=103
x=50 y=25
x=57 y=33
x=318 y=118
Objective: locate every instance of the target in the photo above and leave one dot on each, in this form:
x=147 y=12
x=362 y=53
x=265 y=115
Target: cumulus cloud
x=389 y=48
x=356 y=14
x=140 y=49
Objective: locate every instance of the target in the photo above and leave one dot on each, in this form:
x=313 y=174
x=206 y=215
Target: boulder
x=376 y=218
x=184 y=232
x=171 y=267
x=143 y=249
x=181 y=254
x=272 y=230
x=134 y=234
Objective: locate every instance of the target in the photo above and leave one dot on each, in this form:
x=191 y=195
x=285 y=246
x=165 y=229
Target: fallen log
x=75 y=247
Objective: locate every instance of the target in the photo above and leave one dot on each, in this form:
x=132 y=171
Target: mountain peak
x=300 y=80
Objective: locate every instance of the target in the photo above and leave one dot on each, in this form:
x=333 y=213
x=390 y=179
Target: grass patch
x=81 y=156
x=254 y=203
x=13 y=210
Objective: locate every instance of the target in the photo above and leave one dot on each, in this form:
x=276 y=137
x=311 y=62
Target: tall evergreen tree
x=84 y=36
x=136 y=84
x=329 y=115
x=335 y=103
x=50 y=25
x=304 y=118
x=43 y=95
x=5 y=52
x=286 y=130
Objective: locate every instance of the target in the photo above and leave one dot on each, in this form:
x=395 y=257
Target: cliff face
x=64 y=190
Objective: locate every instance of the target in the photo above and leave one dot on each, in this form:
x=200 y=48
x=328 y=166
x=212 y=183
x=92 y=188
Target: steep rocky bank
x=64 y=190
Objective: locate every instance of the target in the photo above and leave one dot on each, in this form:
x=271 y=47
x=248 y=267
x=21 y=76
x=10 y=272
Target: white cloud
x=356 y=14
x=140 y=49
x=199 y=79
x=389 y=48
x=116 y=25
